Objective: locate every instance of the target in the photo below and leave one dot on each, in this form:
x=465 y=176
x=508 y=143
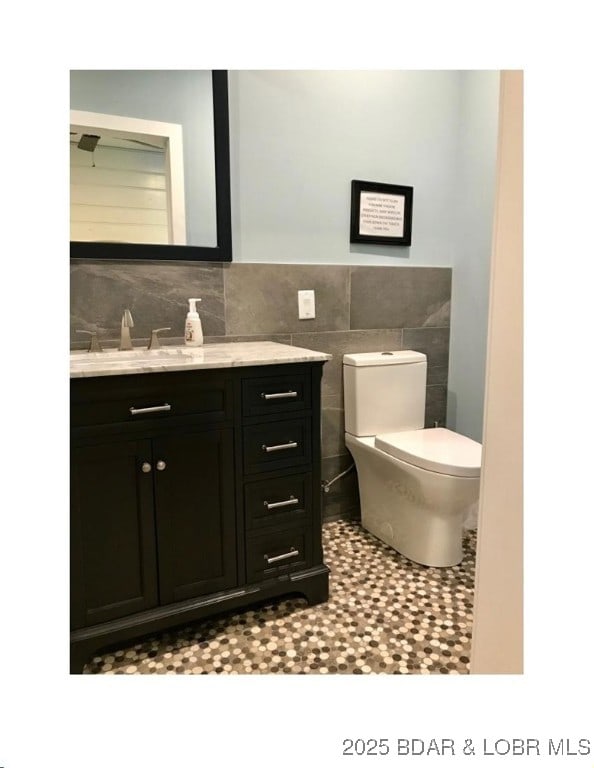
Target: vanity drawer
x=277 y=445
x=279 y=501
x=135 y=398
x=276 y=394
x=273 y=553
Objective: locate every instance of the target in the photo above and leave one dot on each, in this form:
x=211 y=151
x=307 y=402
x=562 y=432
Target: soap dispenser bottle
x=193 y=334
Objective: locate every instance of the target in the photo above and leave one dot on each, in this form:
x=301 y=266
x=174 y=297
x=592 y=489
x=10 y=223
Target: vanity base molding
x=84 y=643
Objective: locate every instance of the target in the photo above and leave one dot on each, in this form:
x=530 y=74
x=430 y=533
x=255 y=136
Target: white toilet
x=417 y=486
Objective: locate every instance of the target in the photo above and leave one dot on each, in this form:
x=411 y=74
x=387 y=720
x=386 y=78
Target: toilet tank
x=384 y=392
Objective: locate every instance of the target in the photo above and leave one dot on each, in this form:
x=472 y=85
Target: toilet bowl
x=420 y=512
x=417 y=486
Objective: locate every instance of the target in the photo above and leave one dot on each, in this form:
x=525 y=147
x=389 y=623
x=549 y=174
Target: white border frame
x=170 y=135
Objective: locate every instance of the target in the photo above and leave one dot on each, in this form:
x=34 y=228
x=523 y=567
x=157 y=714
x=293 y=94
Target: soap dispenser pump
x=193 y=334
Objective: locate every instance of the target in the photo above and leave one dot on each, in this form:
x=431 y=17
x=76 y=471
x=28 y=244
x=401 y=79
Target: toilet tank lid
x=393 y=357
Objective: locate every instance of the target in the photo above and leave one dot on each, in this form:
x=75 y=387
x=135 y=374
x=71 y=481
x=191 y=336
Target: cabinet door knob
x=146 y=467
x=161 y=465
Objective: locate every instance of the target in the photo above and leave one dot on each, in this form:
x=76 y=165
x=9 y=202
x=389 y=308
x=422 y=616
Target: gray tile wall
x=358 y=309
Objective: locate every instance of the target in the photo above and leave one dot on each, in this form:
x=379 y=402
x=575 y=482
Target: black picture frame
x=223 y=250
x=381 y=214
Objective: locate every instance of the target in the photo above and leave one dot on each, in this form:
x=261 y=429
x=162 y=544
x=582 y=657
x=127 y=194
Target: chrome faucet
x=127 y=323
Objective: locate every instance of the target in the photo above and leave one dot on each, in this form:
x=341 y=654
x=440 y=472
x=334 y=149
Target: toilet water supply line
x=327 y=483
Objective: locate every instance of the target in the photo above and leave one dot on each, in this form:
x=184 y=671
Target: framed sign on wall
x=381 y=213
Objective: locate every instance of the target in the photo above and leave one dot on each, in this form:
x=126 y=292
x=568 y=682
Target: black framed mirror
x=223 y=249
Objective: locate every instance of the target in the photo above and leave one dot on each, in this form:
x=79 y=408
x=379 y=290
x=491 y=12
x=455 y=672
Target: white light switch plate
x=307 y=304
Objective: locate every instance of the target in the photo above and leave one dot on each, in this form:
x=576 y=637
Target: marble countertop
x=181 y=358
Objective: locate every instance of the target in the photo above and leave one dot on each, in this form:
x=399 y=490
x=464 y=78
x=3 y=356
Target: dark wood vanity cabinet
x=112 y=532
x=195 y=514
x=192 y=493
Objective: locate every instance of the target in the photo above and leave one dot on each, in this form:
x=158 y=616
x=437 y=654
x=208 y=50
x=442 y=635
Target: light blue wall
x=471 y=264
x=298 y=138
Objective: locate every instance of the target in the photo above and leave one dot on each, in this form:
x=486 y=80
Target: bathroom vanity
x=195 y=486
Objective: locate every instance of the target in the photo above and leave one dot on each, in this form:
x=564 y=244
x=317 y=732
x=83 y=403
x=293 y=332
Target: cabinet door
x=113 y=559
x=194 y=501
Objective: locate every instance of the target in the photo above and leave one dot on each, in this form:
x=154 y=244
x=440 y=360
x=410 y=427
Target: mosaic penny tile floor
x=385 y=615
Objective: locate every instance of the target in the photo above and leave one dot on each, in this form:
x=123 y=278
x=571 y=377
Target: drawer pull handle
x=281 y=447
x=287 y=555
x=277 y=395
x=276 y=504
x=153 y=409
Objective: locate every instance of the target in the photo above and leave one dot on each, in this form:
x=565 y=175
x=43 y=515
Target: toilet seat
x=437 y=450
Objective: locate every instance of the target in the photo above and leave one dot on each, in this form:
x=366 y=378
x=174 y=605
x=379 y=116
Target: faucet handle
x=154 y=342
x=94 y=345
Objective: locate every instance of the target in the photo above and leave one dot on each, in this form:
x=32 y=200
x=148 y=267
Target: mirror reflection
x=126 y=180
x=125 y=187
